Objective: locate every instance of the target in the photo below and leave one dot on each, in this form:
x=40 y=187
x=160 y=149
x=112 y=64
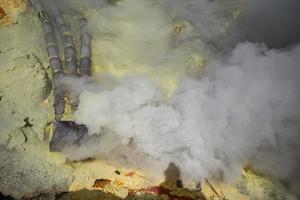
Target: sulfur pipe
x=69 y=47
x=55 y=62
x=85 y=49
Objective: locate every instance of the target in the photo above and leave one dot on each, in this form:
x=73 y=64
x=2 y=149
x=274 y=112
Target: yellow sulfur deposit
x=68 y=112
x=9 y=9
x=167 y=79
x=86 y=173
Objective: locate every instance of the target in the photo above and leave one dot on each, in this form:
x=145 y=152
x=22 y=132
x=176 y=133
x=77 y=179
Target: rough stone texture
x=9 y=9
x=25 y=87
x=259 y=187
x=26 y=166
x=26 y=174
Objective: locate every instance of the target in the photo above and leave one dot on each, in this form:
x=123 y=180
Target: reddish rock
x=101 y=183
x=2 y=12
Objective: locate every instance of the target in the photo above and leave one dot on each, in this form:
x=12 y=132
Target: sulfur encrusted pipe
x=69 y=47
x=55 y=62
x=67 y=134
x=85 y=49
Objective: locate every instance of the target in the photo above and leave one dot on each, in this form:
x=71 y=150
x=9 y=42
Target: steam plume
x=243 y=109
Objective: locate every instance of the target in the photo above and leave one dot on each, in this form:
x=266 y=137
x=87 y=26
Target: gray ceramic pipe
x=69 y=47
x=55 y=62
x=85 y=49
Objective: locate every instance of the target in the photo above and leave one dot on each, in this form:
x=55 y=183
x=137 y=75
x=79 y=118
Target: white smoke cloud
x=242 y=109
x=216 y=123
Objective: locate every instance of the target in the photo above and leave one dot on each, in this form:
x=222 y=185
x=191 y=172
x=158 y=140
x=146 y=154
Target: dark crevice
x=27 y=123
x=3 y=197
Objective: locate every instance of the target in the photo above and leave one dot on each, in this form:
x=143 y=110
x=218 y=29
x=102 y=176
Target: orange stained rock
x=12 y=3
x=131 y=174
x=101 y=183
x=9 y=10
x=2 y=12
x=161 y=190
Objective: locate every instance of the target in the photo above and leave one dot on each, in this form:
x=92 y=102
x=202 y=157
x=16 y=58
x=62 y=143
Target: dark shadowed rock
x=67 y=134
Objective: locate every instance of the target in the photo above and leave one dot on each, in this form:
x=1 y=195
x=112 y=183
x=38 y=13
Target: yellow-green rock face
x=258 y=187
x=26 y=166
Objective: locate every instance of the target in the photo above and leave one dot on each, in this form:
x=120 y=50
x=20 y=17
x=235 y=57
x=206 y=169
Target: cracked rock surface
x=26 y=165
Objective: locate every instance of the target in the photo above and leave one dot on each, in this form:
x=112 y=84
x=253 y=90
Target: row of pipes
x=66 y=133
x=84 y=68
